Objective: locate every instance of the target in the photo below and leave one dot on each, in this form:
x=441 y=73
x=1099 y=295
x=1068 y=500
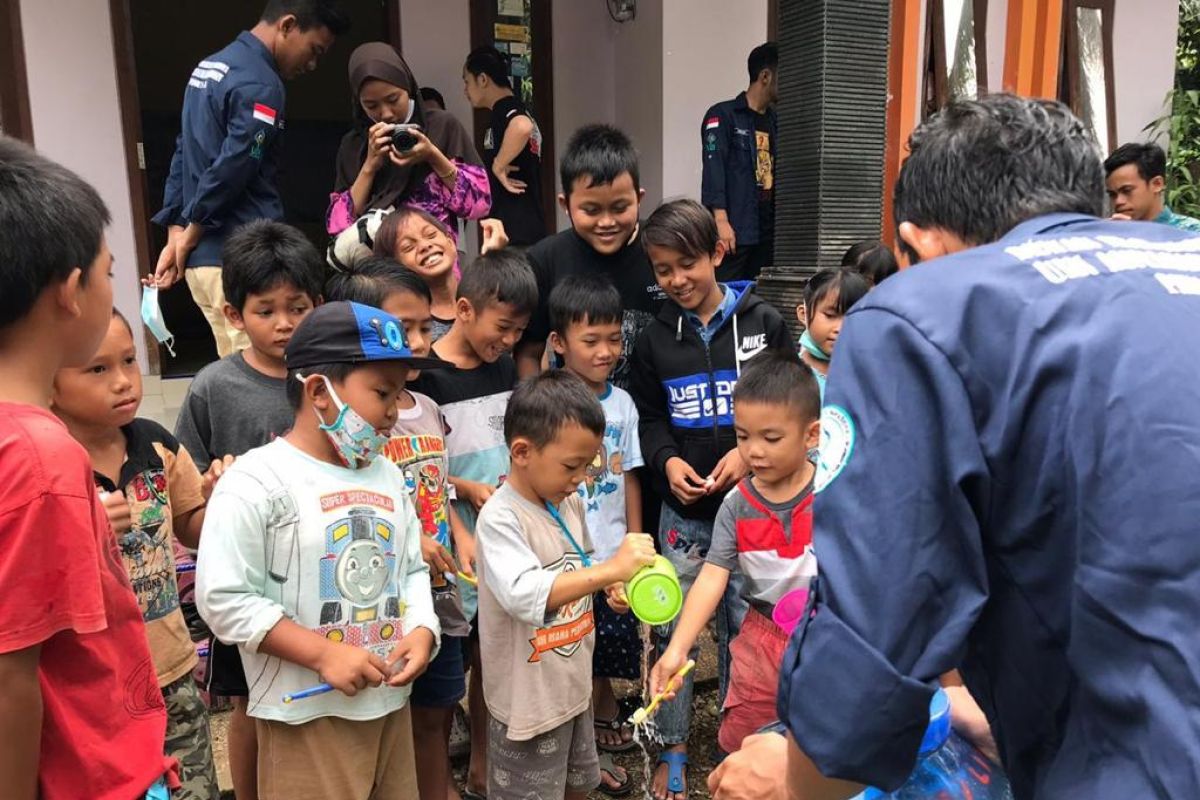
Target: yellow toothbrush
x=643 y=714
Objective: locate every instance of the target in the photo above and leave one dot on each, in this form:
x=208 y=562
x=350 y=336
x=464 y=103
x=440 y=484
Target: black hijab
x=380 y=61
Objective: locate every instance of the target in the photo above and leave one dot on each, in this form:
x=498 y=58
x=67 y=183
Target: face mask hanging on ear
x=412 y=109
x=153 y=318
x=354 y=439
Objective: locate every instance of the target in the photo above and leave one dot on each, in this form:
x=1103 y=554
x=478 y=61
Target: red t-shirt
x=63 y=587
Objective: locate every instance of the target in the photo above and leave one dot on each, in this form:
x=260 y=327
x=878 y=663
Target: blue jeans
x=685 y=543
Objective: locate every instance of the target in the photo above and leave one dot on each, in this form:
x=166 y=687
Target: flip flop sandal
x=618 y=726
x=460 y=734
x=607 y=765
x=676 y=770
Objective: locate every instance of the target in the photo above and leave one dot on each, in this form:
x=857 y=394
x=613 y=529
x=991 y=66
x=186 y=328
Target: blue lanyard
x=587 y=562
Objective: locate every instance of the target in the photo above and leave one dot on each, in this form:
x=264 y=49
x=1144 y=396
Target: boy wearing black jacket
x=685 y=366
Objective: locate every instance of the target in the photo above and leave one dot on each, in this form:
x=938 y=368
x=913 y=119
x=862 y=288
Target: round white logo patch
x=837 y=444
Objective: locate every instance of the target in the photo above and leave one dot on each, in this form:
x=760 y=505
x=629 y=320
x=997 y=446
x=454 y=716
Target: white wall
x=653 y=77
x=436 y=38
x=76 y=120
x=639 y=87
x=1144 y=36
x=584 y=73
x=704 y=49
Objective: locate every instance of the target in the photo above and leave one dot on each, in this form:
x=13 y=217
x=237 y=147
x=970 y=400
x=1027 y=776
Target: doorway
x=158 y=44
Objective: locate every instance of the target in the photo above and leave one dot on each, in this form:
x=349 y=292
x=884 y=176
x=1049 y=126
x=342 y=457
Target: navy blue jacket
x=227 y=154
x=730 y=162
x=1009 y=483
x=683 y=387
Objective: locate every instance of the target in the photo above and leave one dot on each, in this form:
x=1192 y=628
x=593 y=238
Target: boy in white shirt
x=311 y=563
x=535 y=595
x=585 y=332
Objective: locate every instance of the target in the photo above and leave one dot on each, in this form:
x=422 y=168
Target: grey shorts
x=545 y=766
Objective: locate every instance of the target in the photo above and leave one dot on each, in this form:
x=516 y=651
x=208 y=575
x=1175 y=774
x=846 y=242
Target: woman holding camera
x=400 y=153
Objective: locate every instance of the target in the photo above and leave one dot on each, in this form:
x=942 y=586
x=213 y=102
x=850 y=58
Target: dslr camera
x=402 y=137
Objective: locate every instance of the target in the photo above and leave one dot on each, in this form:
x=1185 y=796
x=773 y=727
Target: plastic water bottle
x=948 y=766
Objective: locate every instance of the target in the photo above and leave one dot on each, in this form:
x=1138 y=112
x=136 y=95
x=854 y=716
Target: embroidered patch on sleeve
x=264 y=113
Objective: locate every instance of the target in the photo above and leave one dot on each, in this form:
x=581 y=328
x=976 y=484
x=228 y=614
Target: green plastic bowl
x=654 y=594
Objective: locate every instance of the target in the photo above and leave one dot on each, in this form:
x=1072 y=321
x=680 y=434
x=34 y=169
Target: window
x=1086 y=78
x=955 y=52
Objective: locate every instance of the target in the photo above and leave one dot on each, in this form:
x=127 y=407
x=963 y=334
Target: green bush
x=1182 y=125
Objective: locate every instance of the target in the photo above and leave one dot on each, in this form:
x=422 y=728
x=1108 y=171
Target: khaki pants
x=205 y=284
x=330 y=758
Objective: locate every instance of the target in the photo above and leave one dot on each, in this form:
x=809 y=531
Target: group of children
x=381 y=506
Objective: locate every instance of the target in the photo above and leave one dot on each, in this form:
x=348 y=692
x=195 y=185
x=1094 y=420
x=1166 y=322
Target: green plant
x=1182 y=129
x=1182 y=125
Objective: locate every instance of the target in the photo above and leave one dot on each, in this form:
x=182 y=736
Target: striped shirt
x=770 y=544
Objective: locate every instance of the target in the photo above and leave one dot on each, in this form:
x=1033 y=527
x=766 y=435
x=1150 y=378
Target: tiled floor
x=161 y=399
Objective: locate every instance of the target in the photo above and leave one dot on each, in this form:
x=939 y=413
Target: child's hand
x=494 y=237
x=413 y=650
x=439 y=560
x=467 y=551
x=350 y=669
x=474 y=492
x=636 y=551
x=685 y=483
x=215 y=470
x=614 y=593
x=668 y=664
x=117 y=507
x=727 y=473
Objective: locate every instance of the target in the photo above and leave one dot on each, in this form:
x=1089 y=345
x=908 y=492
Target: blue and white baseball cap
x=352 y=333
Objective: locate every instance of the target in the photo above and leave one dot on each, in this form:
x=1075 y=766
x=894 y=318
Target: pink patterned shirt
x=471 y=198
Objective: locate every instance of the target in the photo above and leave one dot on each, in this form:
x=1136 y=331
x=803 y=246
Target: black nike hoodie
x=676 y=376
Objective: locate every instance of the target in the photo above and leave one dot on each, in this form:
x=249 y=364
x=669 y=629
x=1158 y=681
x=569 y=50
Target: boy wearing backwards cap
x=311 y=563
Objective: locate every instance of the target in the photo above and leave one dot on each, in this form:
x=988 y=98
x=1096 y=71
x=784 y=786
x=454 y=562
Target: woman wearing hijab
x=441 y=174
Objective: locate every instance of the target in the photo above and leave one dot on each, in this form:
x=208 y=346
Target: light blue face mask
x=153 y=318
x=810 y=347
x=356 y=441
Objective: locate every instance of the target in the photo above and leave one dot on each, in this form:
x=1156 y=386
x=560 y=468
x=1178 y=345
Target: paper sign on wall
x=510 y=8
x=510 y=33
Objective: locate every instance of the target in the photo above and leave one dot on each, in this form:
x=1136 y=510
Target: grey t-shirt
x=539 y=663
x=231 y=408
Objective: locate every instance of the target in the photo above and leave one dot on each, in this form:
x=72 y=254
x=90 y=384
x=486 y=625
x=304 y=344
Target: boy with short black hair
x=495 y=297
x=535 y=599
x=763 y=533
x=685 y=366
x=602 y=196
x=311 y=563
x=272 y=278
x=585 y=322
x=154 y=496
x=74 y=662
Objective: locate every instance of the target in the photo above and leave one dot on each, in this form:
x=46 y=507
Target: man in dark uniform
x=738 y=180
x=227 y=155
x=1008 y=480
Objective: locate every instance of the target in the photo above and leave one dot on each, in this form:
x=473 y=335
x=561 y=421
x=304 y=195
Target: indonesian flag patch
x=712 y=122
x=264 y=113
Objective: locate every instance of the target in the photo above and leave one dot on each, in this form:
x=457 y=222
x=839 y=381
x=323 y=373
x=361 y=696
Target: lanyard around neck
x=587 y=562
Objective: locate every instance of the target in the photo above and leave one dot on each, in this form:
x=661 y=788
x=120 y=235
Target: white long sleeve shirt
x=335 y=550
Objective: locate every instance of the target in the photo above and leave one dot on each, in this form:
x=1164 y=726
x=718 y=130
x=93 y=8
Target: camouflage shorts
x=188 y=740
